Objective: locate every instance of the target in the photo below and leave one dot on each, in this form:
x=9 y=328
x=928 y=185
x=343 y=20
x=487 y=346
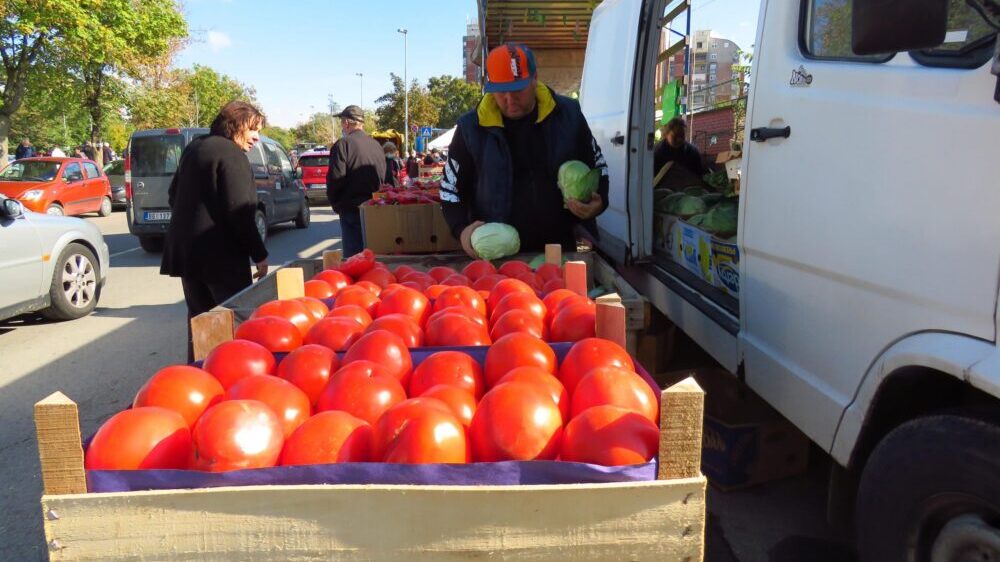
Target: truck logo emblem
x=801 y=77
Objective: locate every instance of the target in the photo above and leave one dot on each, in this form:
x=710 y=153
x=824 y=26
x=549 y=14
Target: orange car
x=57 y=186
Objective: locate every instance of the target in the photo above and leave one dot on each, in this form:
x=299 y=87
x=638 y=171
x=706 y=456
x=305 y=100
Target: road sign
x=426 y=131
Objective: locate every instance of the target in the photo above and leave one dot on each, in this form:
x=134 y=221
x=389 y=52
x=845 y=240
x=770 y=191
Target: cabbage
x=577 y=180
x=495 y=240
x=722 y=219
x=688 y=206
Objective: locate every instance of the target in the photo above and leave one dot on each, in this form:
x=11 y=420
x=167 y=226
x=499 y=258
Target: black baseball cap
x=352 y=112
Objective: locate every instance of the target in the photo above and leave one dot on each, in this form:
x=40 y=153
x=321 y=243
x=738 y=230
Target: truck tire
x=931 y=486
x=151 y=244
x=302 y=220
x=74 y=289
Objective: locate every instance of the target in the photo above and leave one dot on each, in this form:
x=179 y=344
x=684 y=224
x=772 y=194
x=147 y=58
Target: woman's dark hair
x=677 y=126
x=235 y=116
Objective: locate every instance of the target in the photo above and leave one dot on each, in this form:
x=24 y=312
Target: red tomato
x=589 y=354
x=402 y=271
x=549 y=272
x=420 y=278
x=421 y=431
x=319 y=289
x=517 y=350
x=353 y=311
x=336 y=333
x=518 y=320
x=413 y=285
x=440 y=273
x=460 y=296
x=401 y=325
x=447 y=328
x=237 y=434
x=478 y=269
x=464 y=311
x=616 y=387
x=452 y=368
x=385 y=348
x=276 y=334
x=316 y=307
x=456 y=280
x=554 y=299
x=434 y=291
x=370 y=286
x=329 y=437
x=359 y=264
x=487 y=282
x=309 y=368
x=292 y=310
x=516 y=421
x=405 y=301
x=574 y=323
x=546 y=382
x=140 y=439
x=506 y=287
x=379 y=276
x=553 y=285
x=513 y=268
x=284 y=398
x=358 y=296
x=189 y=391
x=336 y=279
x=575 y=299
x=530 y=280
x=232 y=360
x=610 y=436
x=363 y=389
x=461 y=402
x=519 y=301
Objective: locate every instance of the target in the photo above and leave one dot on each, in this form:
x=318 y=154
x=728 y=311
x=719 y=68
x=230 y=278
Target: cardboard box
x=733 y=160
x=726 y=266
x=406 y=229
x=692 y=248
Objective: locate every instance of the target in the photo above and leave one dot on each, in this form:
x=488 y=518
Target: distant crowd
x=86 y=150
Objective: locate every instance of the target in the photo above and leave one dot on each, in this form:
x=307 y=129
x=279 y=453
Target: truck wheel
x=73 y=291
x=302 y=220
x=105 y=209
x=261 y=221
x=930 y=492
x=151 y=244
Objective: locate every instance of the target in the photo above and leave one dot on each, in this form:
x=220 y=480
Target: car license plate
x=317 y=186
x=154 y=216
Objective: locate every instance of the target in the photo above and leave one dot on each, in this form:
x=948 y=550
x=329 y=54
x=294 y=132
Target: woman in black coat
x=212 y=237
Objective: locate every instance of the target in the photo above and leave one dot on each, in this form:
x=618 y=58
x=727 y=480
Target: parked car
x=50 y=264
x=152 y=159
x=312 y=169
x=116 y=175
x=57 y=186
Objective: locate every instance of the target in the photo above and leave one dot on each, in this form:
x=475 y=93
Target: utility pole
x=333 y=122
x=406 y=94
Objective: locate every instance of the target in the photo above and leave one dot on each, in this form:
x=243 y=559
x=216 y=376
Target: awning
x=442 y=141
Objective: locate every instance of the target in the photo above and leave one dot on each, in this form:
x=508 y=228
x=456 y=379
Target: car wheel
x=302 y=221
x=54 y=209
x=74 y=290
x=261 y=221
x=105 y=207
x=151 y=244
x=930 y=492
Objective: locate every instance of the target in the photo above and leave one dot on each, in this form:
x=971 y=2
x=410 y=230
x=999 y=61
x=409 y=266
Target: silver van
x=152 y=159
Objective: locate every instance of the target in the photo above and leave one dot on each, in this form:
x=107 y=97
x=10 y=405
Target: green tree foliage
x=211 y=90
x=390 y=112
x=285 y=137
x=317 y=129
x=453 y=97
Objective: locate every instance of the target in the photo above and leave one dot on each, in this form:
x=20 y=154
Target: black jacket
x=24 y=151
x=392 y=167
x=357 y=168
x=687 y=156
x=212 y=234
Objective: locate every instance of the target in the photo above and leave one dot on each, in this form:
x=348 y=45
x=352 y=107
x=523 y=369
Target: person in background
x=412 y=165
x=57 y=152
x=392 y=164
x=213 y=236
x=107 y=153
x=78 y=152
x=675 y=148
x=431 y=158
x=357 y=168
x=88 y=150
x=24 y=150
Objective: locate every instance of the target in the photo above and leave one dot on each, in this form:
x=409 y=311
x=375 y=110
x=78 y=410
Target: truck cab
x=858 y=295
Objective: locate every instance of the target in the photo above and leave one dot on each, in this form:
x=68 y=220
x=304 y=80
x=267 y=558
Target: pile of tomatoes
x=304 y=383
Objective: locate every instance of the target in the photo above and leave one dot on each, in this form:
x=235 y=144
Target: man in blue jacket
x=504 y=159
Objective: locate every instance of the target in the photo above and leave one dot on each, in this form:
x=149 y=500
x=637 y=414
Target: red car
x=57 y=186
x=312 y=167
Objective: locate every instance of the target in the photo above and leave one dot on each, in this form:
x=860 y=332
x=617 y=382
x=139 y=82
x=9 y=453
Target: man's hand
x=261 y=269
x=466 y=239
x=585 y=211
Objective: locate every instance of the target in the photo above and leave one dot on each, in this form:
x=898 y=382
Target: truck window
x=968 y=43
x=825 y=32
x=156 y=156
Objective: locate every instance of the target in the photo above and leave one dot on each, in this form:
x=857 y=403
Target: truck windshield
x=22 y=170
x=156 y=156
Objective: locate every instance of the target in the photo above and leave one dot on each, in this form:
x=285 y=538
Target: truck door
x=868 y=203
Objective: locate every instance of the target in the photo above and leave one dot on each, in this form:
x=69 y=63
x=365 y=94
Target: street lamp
x=361 y=75
x=406 y=95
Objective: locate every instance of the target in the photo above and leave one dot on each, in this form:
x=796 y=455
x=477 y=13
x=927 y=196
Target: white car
x=49 y=264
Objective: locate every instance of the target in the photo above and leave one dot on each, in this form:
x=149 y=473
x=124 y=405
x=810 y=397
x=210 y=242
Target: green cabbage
x=495 y=240
x=696 y=191
x=711 y=198
x=577 y=180
x=688 y=206
x=722 y=219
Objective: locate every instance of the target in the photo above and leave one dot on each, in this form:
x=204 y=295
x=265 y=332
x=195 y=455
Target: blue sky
x=298 y=53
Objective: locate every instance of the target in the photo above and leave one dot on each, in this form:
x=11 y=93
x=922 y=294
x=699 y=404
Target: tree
x=317 y=129
x=453 y=98
x=211 y=90
x=285 y=137
x=423 y=110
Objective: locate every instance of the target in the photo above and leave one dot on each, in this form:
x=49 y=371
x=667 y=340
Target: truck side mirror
x=889 y=26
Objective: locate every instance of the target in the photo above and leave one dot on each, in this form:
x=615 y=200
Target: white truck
x=868 y=246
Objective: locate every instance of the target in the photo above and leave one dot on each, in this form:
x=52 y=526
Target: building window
x=697 y=45
x=713 y=56
x=715 y=45
x=726 y=45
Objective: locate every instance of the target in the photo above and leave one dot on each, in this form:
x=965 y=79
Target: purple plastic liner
x=474 y=474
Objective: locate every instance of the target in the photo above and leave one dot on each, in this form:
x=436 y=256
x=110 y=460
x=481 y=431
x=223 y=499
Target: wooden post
x=211 y=328
x=332 y=259
x=57 y=426
x=575 y=277
x=553 y=254
x=681 y=417
x=291 y=283
x=611 y=319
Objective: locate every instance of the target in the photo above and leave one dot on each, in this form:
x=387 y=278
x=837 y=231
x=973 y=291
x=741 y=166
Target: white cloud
x=218 y=40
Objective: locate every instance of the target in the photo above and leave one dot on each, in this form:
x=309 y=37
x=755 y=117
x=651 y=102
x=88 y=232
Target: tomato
x=335 y=332
x=513 y=268
x=517 y=350
x=232 y=360
x=237 y=434
x=478 y=269
x=447 y=328
x=420 y=278
x=460 y=296
x=518 y=320
x=440 y=273
x=589 y=354
x=292 y=310
x=401 y=325
x=413 y=285
x=456 y=280
x=504 y=288
x=461 y=402
x=549 y=272
x=405 y=301
x=420 y=431
x=363 y=389
x=464 y=311
x=516 y=421
x=284 y=398
x=379 y=276
x=616 y=387
x=276 y=334
x=140 y=439
x=384 y=348
x=329 y=437
x=309 y=368
x=316 y=307
x=353 y=311
x=434 y=291
x=189 y=391
x=319 y=289
x=530 y=280
x=358 y=264
x=553 y=285
x=402 y=270
x=519 y=301
x=335 y=279
x=574 y=323
x=487 y=282
x=370 y=287
x=452 y=368
x=545 y=381
x=359 y=296
x=610 y=436
x=552 y=301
